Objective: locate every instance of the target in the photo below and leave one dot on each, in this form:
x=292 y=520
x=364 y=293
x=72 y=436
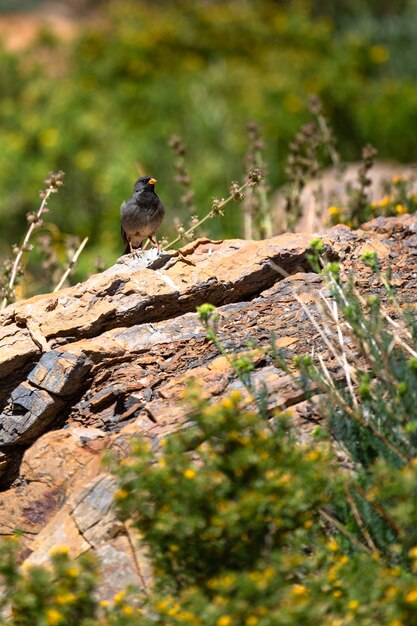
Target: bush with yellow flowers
x=38 y=596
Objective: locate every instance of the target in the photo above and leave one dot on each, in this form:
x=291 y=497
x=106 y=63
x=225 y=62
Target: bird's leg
x=155 y=242
x=134 y=251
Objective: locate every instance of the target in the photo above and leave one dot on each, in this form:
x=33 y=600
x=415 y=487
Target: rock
x=28 y=414
x=59 y=372
x=108 y=359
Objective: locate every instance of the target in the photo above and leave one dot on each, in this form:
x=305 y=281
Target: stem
x=206 y=217
x=265 y=214
x=19 y=255
x=71 y=265
x=339 y=526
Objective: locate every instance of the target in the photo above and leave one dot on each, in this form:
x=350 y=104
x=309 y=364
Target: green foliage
x=223 y=496
x=104 y=106
x=38 y=596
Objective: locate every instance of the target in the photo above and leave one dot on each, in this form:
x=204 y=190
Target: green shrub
x=103 y=107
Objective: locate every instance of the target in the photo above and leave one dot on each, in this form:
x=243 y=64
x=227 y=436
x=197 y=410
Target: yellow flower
x=236 y=395
x=400 y=209
x=411 y=596
x=128 y=610
x=189 y=473
x=252 y=620
x=334 y=211
x=104 y=603
x=73 y=572
x=224 y=620
x=121 y=494
x=337 y=593
x=119 y=597
x=413 y=552
x=313 y=455
x=353 y=605
x=333 y=546
x=299 y=590
x=59 y=551
x=378 y=54
x=65 y=598
x=53 y=617
x=228 y=404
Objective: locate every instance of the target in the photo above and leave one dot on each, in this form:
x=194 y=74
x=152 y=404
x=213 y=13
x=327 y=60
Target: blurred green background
x=103 y=104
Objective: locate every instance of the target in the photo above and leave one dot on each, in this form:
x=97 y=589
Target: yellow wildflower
x=313 y=455
x=228 y=404
x=121 y=494
x=411 y=596
x=128 y=610
x=65 y=598
x=337 y=593
x=400 y=209
x=353 y=605
x=413 y=551
x=53 y=617
x=189 y=473
x=104 y=603
x=299 y=590
x=333 y=546
x=73 y=572
x=252 y=620
x=59 y=551
x=334 y=211
x=119 y=597
x=224 y=620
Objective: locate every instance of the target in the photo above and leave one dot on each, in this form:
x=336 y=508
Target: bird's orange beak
x=153 y=181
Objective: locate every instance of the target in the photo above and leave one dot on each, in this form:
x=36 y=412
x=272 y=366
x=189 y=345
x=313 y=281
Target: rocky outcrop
x=85 y=369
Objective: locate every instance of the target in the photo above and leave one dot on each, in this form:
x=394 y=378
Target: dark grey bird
x=141 y=215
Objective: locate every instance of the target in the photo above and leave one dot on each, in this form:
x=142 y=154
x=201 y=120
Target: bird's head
x=145 y=183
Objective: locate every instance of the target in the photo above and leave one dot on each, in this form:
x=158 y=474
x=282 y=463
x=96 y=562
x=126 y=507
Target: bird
x=141 y=215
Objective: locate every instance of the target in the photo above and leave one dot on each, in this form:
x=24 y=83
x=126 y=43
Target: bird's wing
x=124 y=236
x=125 y=240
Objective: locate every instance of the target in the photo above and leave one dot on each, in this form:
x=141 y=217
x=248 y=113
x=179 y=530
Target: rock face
x=85 y=369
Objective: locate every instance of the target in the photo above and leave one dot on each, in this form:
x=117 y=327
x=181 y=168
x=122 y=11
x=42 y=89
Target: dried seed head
x=255 y=175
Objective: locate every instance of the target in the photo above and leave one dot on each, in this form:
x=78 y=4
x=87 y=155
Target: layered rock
x=85 y=369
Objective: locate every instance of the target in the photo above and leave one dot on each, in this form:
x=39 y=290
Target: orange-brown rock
x=108 y=359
